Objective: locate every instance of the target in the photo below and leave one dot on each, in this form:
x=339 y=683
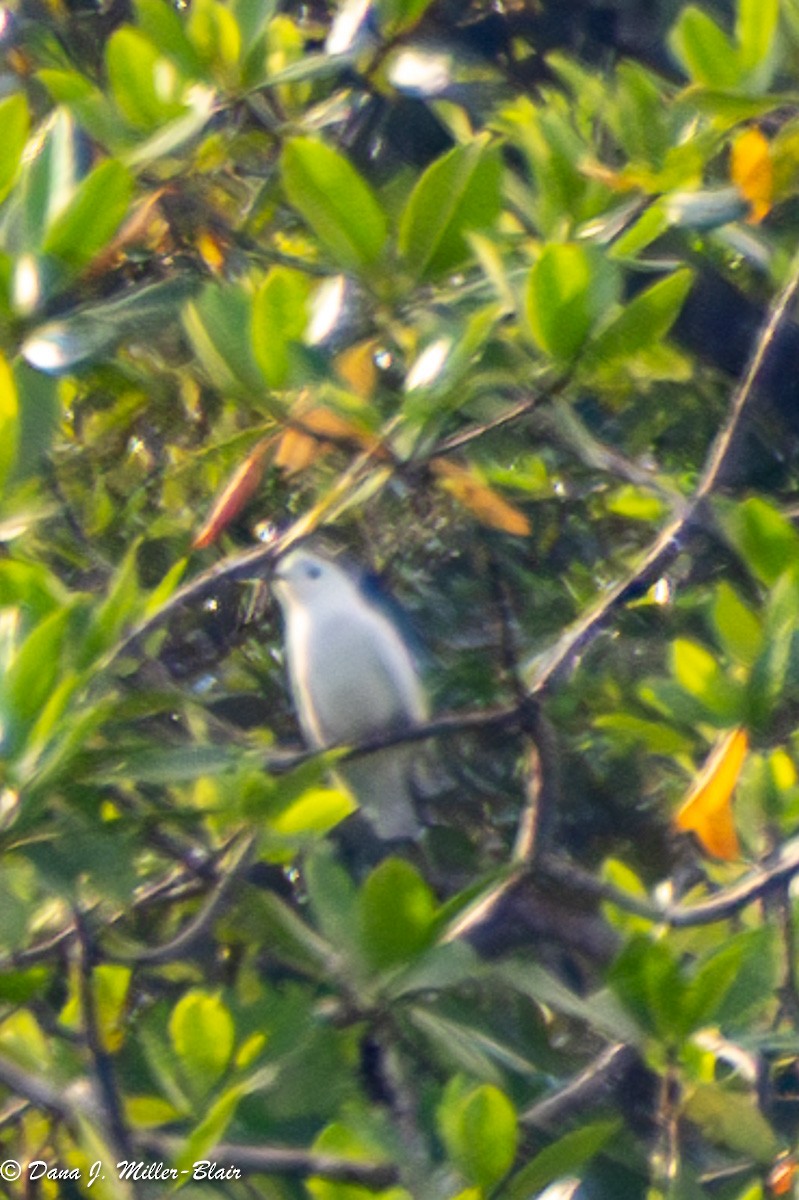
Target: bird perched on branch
x=352 y=679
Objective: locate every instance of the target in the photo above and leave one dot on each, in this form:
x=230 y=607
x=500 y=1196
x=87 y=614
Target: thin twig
x=280 y=1160
x=718 y=907
x=597 y=1084
x=101 y=1059
x=200 y=924
x=270 y=1160
x=670 y=541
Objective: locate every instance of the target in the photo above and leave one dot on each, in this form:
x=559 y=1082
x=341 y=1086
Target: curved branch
x=669 y=542
x=771 y=876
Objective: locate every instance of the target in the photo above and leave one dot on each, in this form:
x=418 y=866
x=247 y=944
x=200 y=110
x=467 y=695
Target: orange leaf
x=483 y=501
x=752 y=172
x=234 y=495
x=782 y=1177
x=298 y=449
x=707 y=810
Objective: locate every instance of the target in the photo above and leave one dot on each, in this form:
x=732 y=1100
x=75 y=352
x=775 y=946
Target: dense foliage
x=499 y=299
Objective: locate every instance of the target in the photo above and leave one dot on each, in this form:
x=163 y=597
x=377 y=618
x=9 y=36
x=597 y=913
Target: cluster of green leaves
x=223 y=229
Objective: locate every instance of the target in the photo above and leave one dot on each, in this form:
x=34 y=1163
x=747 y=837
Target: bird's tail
x=381 y=783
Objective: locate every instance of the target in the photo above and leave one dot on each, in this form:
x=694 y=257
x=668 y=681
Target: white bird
x=352 y=679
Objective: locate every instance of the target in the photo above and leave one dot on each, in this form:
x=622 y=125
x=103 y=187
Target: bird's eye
x=313 y=571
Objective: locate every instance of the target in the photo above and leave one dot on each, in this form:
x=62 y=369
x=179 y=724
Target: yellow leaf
x=211 y=251
x=707 y=809
x=483 y=501
x=355 y=366
x=9 y=420
x=752 y=172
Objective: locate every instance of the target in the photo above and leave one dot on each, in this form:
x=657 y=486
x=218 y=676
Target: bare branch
x=280 y=1160
x=104 y=1075
x=196 y=929
x=771 y=876
x=270 y=1160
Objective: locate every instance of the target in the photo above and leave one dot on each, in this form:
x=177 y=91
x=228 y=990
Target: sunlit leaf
x=202 y=1033
x=456 y=194
x=14 y=122
x=338 y=204
x=396 y=910
x=704 y=49
x=644 y=320
x=751 y=170
x=479 y=1129
x=279 y=317
x=92 y=216
x=569 y=288
x=707 y=809
x=9 y=421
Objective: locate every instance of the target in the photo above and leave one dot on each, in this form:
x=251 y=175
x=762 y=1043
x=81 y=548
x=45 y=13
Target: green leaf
x=732 y=1120
x=92 y=216
x=563 y=1157
x=333 y=900
x=111 y=985
x=765 y=540
x=463 y=1047
x=757 y=976
x=624 y=880
x=399 y=15
x=779 y=637
x=215 y=1121
x=14 y=122
x=739 y=630
x=647 y=980
x=704 y=50
x=219 y=324
x=279 y=317
x=337 y=1140
x=35 y=668
x=315 y=811
x=148 y=88
x=110 y=616
x=396 y=911
x=458 y=193
x=569 y=288
x=655 y=735
x=335 y=201
x=706 y=992
x=215 y=35
x=202 y=1034
x=292 y=941
x=48 y=180
x=480 y=1133
x=163 y=27
x=698 y=672
x=755 y=32
x=646 y=319
x=39 y=412
x=194 y=116
x=22 y=1040
x=19 y=987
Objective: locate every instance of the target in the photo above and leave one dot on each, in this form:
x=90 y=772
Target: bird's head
x=305 y=577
